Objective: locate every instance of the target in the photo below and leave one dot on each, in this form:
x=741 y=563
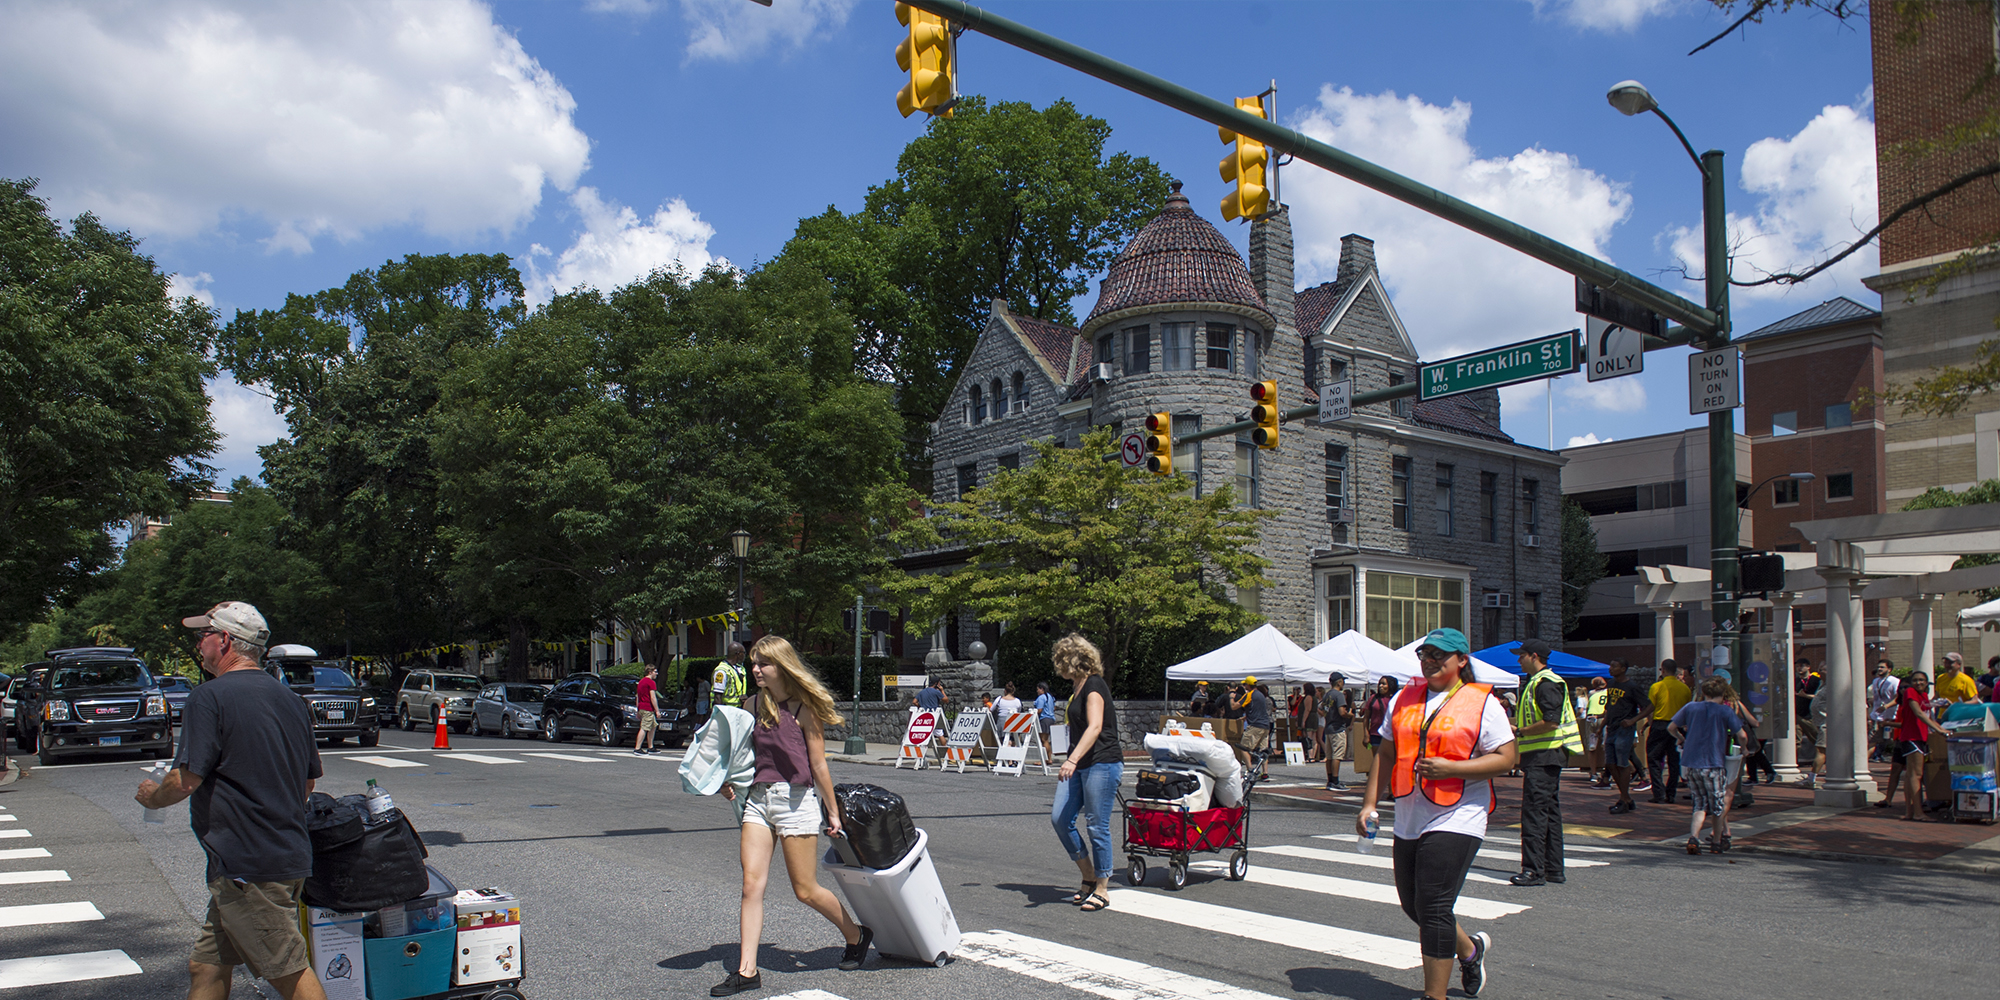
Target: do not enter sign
x=922 y=725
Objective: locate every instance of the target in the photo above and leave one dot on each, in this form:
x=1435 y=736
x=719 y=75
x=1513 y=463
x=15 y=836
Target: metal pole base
x=855 y=746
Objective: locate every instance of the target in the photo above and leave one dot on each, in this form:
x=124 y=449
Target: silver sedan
x=509 y=709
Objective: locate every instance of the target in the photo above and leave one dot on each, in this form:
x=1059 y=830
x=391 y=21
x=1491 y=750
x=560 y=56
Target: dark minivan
x=101 y=699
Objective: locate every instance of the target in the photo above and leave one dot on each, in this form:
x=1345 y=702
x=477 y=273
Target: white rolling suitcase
x=904 y=905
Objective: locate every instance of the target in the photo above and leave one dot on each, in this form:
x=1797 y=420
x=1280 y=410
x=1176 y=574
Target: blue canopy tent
x=1567 y=666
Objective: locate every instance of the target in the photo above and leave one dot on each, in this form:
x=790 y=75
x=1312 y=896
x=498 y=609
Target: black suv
x=340 y=706
x=28 y=697
x=101 y=699
x=607 y=707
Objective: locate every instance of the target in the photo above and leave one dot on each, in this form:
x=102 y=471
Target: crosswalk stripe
x=810 y=995
x=47 y=969
x=1380 y=860
x=1513 y=855
x=1470 y=907
x=1360 y=946
x=567 y=756
x=21 y=853
x=10 y=819
x=47 y=913
x=388 y=762
x=23 y=878
x=1105 y=976
x=14 y=834
x=480 y=758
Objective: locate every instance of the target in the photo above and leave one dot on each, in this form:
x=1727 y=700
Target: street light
x=1804 y=477
x=739 y=544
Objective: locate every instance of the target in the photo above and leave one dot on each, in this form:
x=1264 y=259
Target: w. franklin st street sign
x=1524 y=362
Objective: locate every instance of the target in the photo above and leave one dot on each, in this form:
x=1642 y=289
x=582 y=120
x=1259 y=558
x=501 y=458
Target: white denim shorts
x=791 y=811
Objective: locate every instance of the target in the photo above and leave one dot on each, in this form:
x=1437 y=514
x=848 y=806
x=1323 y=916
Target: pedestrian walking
x=1257 y=718
x=1305 y=721
x=1591 y=713
x=1952 y=683
x=1882 y=708
x=1914 y=723
x=1045 y=709
x=731 y=683
x=1444 y=740
x=789 y=799
x=1669 y=694
x=1703 y=728
x=1336 y=713
x=1379 y=701
x=649 y=711
x=1625 y=704
x=247 y=760
x=1546 y=733
x=1087 y=785
x=1007 y=707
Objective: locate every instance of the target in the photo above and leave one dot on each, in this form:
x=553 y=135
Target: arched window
x=999 y=400
x=978 y=405
x=1020 y=391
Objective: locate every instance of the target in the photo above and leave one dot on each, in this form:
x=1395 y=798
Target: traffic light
x=1245 y=166
x=927 y=56
x=1265 y=413
x=1160 y=444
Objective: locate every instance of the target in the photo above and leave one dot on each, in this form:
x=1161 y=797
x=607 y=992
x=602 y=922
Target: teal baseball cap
x=1449 y=640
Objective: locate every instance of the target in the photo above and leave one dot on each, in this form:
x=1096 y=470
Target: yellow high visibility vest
x=1528 y=712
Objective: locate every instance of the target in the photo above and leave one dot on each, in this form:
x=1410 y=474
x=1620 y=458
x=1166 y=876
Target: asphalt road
x=630 y=888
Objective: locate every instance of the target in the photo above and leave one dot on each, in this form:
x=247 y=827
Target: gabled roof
x=1832 y=312
x=1055 y=343
x=1320 y=309
x=1178 y=257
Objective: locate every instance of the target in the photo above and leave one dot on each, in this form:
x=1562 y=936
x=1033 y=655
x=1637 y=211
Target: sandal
x=1096 y=902
x=1693 y=846
x=1082 y=893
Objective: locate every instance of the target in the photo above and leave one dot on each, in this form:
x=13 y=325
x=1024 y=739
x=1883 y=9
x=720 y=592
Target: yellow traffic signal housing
x=928 y=57
x=1160 y=444
x=1265 y=413
x=1245 y=165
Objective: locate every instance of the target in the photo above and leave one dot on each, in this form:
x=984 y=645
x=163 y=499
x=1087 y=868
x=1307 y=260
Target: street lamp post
x=1631 y=98
x=739 y=545
x=1804 y=477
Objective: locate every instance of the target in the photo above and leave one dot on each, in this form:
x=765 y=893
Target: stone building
x=1402 y=518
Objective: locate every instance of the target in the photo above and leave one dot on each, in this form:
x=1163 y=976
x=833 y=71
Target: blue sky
x=260 y=149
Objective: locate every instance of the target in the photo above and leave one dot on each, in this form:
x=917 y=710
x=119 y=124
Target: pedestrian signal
x=1160 y=444
x=1264 y=414
x=1245 y=165
x=926 y=54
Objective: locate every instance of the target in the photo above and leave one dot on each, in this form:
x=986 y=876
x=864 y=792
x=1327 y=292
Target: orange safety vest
x=1453 y=733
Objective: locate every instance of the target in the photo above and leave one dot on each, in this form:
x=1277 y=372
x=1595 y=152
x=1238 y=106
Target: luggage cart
x=1178 y=833
x=1972 y=760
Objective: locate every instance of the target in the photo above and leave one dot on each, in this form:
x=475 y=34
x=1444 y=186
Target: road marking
x=388 y=762
x=480 y=758
x=10 y=819
x=20 y=853
x=1469 y=907
x=1106 y=976
x=810 y=995
x=567 y=756
x=48 y=969
x=1348 y=838
x=1360 y=946
x=47 y=913
x=1382 y=860
x=45 y=875
x=14 y=834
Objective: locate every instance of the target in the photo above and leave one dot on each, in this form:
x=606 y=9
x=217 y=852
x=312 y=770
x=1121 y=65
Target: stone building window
x=968 y=479
x=978 y=405
x=1107 y=350
x=1187 y=455
x=1401 y=608
x=1246 y=472
x=1336 y=482
x=1443 y=499
x=1138 y=351
x=1400 y=407
x=1839 y=486
x=1531 y=615
x=1221 y=341
x=1489 y=506
x=1339 y=603
x=1011 y=460
x=1399 y=493
x=1176 y=347
x=1531 y=506
x=999 y=400
x=1020 y=391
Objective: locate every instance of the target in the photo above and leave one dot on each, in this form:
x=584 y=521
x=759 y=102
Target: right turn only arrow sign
x=1611 y=350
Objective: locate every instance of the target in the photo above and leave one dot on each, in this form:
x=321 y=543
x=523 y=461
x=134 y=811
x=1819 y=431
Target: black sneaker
x=1528 y=877
x=736 y=983
x=1623 y=807
x=854 y=954
x=1555 y=879
x=1472 y=971
x=1337 y=785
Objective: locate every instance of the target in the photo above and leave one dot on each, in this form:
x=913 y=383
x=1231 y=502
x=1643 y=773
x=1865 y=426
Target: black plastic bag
x=877 y=824
x=380 y=866
x=1165 y=784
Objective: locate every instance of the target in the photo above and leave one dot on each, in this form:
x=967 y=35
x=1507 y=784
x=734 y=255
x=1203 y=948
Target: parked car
x=509 y=709
x=586 y=703
x=6 y=705
x=26 y=697
x=101 y=699
x=341 y=708
x=428 y=695
x=177 y=690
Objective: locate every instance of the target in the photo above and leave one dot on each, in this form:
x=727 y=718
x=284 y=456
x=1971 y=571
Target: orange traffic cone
x=443 y=741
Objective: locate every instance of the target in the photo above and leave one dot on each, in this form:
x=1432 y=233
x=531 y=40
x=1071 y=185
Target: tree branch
x=1795 y=277
x=1755 y=9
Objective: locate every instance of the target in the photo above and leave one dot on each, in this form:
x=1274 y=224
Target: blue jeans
x=1091 y=790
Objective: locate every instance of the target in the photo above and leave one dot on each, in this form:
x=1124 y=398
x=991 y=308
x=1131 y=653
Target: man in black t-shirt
x=1626 y=702
x=247 y=760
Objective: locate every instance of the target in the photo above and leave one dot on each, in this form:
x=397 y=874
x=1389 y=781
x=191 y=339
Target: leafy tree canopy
x=1582 y=564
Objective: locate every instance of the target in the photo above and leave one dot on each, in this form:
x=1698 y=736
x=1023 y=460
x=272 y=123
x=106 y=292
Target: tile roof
x=1178 y=257
x=1457 y=415
x=1054 y=342
x=1829 y=313
x=1311 y=306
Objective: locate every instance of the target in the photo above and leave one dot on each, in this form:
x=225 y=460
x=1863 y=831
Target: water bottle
x=380 y=805
x=158 y=773
x=1366 y=842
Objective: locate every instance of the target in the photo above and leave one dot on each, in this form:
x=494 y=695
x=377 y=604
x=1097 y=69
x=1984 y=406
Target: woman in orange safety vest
x=1444 y=738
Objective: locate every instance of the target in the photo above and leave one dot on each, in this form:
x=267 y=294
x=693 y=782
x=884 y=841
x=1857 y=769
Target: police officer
x=1545 y=726
x=730 y=684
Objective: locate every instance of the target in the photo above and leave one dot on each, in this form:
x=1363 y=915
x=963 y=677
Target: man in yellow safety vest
x=1545 y=727
x=730 y=682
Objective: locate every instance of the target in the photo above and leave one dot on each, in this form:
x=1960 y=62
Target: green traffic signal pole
x=1723 y=564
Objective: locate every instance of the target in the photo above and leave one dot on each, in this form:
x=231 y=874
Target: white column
x=1663 y=633
x=1840 y=788
x=1923 y=644
x=1857 y=719
x=1785 y=740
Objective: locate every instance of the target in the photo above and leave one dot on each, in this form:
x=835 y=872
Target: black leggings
x=1429 y=873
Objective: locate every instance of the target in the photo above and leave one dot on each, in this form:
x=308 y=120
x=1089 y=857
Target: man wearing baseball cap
x=1952 y=683
x=1545 y=726
x=248 y=761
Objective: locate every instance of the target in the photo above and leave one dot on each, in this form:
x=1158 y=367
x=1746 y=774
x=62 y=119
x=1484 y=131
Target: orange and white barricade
x=1021 y=736
x=918 y=737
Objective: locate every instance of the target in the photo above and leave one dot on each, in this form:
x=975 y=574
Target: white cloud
x=1604 y=15
x=616 y=247
x=728 y=30
x=1578 y=441
x=1614 y=395
x=1814 y=194
x=1456 y=291
x=247 y=421
x=288 y=122
x=181 y=286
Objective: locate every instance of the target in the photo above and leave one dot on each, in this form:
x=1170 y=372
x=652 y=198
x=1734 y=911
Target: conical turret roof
x=1179 y=257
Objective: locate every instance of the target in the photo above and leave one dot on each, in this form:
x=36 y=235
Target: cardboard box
x=489 y=937
x=333 y=944
x=1357 y=745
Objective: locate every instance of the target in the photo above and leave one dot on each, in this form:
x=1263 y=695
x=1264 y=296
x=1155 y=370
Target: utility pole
x=1723 y=513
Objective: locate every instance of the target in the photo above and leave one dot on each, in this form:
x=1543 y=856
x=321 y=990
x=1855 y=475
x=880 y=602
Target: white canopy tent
x=1980 y=615
x=1266 y=654
x=1484 y=673
x=1362 y=659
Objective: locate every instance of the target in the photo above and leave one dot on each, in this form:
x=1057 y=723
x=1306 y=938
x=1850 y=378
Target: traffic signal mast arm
x=1280 y=140
x=1297 y=413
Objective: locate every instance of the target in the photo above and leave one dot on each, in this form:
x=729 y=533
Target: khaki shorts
x=648 y=721
x=255 y=924
x=1254 y=738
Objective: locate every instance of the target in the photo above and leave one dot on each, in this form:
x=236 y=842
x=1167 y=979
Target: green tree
x=1090 y=545
x=102 y=410
x=994 y=202
x=1582 y=564
x=1938 y=496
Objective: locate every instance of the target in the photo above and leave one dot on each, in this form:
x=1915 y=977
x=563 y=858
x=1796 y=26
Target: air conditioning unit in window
x=1531 y=541
x=1344 y=515
x=1101 y=372
x=1017 y=407
x=1499 y=600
